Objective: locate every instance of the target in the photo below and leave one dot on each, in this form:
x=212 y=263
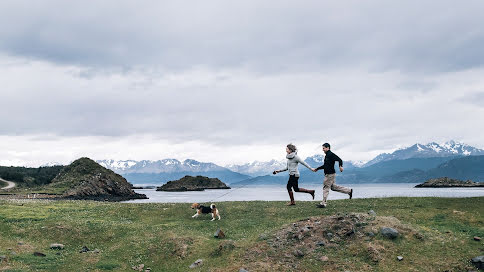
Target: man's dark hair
x=327 y=145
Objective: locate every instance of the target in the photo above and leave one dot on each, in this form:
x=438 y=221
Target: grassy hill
x=436 y=235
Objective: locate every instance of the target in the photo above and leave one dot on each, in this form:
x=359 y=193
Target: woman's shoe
x=290 y=204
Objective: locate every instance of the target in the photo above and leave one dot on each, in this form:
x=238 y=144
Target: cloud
x=274 y=37
x=239 y=78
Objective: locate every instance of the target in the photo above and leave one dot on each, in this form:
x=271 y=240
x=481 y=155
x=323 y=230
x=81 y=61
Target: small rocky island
x=86 y=179
x=189 y=183
x=449 y=182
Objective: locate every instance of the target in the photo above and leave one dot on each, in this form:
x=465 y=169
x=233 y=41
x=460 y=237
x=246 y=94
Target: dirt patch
x=309 y=238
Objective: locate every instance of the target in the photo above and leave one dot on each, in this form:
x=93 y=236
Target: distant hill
x=414 y=170
x=85 y=179
x=30 y=177
x=189 y=183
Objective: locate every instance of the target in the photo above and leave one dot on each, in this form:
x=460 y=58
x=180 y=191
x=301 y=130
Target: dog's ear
x=195 y=205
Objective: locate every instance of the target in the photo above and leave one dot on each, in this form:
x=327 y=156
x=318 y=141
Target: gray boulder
x=56 y=246
x=389 y=233
x=197 y=263
x=478 y=262
x=219 y=234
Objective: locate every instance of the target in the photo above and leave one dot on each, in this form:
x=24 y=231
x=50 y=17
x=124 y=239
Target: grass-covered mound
x=435 y=234
x=189 y=183
x=86 y=179
x=449 y=182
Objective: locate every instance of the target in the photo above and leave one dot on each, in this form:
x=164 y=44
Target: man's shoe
x=351 y=194
x=321 y=206
x=312 y=193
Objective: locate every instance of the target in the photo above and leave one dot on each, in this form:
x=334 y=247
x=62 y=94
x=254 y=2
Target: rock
x=449 y=182
x=329 y=235
x=477 y=238
x=350 y=232
x=13 y=253
x=372 y=213
x=399 y=258
x=56 y=246
x=9 y=248
x=219 y=234
x=243 y=270
x=138 y=267
x=2 y=258
x=197 y=263
x=324 y=259
x=148 y=269
x=419 y=236
x=20 y=243
x=320 y=243
x=189 y=183
x=478 y=262
x=39 y=254
x=389 y=233
x=370 y=234
x=96 y=250
x=86 y=179
x=84 y=249
x=298 y=253
x=225 y=246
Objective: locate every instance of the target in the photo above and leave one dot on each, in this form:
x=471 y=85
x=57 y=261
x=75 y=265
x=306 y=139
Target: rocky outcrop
x=189 y=183
x=86 y=179
x=449 y=182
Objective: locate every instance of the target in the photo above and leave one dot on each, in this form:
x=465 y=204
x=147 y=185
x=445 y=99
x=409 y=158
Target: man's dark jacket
x=329 y=160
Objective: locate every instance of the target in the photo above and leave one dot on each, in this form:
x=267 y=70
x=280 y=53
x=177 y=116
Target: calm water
x=279 y=192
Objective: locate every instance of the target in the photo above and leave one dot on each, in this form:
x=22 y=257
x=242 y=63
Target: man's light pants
x=329 y=184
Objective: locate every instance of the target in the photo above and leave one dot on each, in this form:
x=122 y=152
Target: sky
x=236 y=81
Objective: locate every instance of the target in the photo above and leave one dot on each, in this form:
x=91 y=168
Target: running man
x=330 y=175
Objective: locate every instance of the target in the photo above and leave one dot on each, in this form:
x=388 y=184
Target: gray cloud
x=414 y=36
x=364 y=76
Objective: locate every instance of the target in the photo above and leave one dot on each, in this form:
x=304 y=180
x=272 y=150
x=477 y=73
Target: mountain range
x=410 y=164
x=162 y=171
x=430 y=150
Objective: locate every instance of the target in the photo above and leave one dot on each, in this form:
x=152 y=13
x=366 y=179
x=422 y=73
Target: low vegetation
x=30 y=177
x=436 y=234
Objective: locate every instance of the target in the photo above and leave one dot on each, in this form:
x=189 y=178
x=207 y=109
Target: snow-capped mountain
x=258 y=168
x=159 y=166
x=52 y=164
x=117 y=166
x=433 y=149
x=318 y=160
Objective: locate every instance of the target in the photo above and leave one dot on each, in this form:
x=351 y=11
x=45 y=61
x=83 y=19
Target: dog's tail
x=212 y=206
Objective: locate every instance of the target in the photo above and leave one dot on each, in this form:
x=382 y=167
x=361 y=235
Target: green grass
x=164 y=237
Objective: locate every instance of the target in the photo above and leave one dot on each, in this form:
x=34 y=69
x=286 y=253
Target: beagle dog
x=203 y=209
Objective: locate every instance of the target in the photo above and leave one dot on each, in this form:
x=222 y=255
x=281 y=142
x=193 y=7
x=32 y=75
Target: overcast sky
x=235 y=81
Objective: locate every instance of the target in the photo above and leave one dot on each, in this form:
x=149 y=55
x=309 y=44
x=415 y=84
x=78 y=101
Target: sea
x=279 y=193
